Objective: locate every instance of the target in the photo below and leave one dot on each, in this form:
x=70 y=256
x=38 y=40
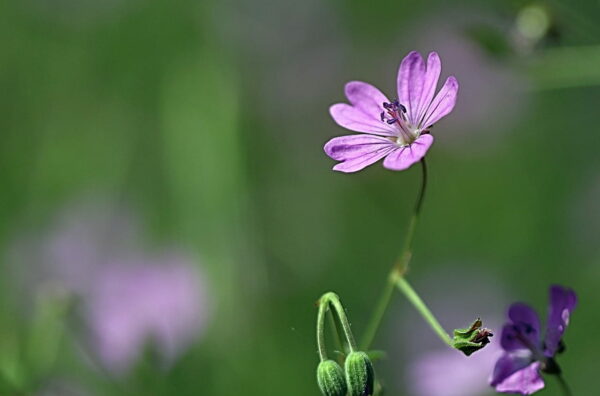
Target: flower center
x=394 y=113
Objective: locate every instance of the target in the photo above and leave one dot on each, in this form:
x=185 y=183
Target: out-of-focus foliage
x=207 y=120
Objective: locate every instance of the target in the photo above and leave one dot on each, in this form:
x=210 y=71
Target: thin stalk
x=327 y=301
x=399 y=268
x=321 y=330
x=336 y=333
x=564 y=386
x=422 y=308
x=335 y=301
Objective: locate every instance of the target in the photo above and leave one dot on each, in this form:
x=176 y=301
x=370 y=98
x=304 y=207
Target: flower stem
x=378 y=314
x=399 y=268
x=321 y=330
x=335 y=331
x=339 y=309
x=420 y=306
x=563 y=385
x=327 y=300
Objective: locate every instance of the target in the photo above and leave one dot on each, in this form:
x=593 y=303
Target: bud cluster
x=358 y=376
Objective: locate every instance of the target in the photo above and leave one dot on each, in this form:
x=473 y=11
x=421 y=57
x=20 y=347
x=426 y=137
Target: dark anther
x=561 y=347
x=392 y=121
x=382 y=115
x=402 y=108
x=386 y=105
x=550 y=366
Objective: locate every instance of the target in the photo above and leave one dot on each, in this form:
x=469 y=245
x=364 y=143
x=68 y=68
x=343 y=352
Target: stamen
x=396 y=112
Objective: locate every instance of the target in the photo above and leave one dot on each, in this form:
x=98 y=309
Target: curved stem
x=321 y=330
x=336 y=333
x=324 y=302
x=335 y=301
x=400 y=266
x=563 y=385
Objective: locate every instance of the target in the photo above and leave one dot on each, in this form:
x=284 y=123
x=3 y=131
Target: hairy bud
x=330 y=378
x=360 y=375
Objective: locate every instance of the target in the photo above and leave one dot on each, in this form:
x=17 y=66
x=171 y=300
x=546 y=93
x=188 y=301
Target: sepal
x=472 y=338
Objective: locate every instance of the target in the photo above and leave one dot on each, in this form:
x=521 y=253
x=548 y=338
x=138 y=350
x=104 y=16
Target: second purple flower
x=397 y=130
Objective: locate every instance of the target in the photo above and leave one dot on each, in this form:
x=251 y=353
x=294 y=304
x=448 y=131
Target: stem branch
x=399 y=268
x=422 y=308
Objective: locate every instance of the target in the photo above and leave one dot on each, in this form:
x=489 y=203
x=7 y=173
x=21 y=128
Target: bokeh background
x=168 y=218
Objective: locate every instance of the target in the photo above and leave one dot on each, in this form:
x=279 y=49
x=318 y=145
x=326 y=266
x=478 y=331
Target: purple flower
x=157 y=300
x=129 y=298
x=395 y=129
x=525 y=353
x=443 y=372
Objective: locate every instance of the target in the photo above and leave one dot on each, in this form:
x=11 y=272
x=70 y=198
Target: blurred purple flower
x=444 y=372
x=128 y=298
x=397 y=130
x=526 y=354
x=158 y=300
x=77 y=242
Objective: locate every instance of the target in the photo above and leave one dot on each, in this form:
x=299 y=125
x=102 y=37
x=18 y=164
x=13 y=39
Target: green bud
x=360 y=375
x=472 y=338
x=330 y=377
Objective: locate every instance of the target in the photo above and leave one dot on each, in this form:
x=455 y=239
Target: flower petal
x=562 y=303
x=525 y=381
x=524 y=329
x=508 y=364
x=366 y=98
x=411 y=80
x=432 y=74
x=357 y=151
x=442 y=104
x=404 y=157
x=363 y=115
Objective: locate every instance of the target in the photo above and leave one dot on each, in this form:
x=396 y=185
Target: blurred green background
x=208 y=120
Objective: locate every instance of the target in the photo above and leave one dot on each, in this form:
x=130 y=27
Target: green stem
x=420 y=306
x=377 y=317
x=399 y=268
x=324 y=302
x=563 y=385
x=335 y=301
x=321 y=330
x=335 y=333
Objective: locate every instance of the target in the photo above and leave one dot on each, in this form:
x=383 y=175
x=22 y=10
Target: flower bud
x=360 y=375
x=472 y=338
x=330 y=378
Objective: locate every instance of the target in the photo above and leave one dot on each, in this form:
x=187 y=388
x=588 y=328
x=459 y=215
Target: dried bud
x=330 y=378
x=472 y=338
x=360 y=375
